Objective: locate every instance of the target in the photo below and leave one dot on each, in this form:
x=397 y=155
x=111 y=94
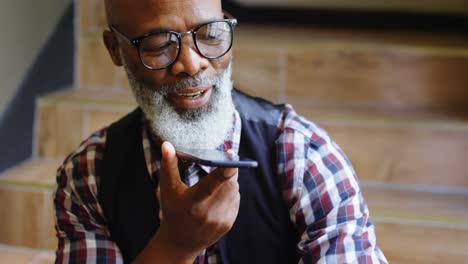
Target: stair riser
x=92 y=16
x=95 y=68
x=22 y=255
x=28 y=222
x=63 y=126
x=27 y=217
x=380 y=79
x=404 y=202
x=344 y=75
x=390 y=153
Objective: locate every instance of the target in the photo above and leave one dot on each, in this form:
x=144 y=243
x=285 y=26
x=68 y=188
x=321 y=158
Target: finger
x=170 y=176
x=213 y=181
x=231 y=152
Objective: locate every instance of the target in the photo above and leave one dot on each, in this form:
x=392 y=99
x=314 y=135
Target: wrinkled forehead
x=136 y=12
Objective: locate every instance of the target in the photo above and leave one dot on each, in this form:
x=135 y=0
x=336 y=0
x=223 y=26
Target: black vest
x=262 y=232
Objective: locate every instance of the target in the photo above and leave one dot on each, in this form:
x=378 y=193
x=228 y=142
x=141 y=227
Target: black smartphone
x=215 y=158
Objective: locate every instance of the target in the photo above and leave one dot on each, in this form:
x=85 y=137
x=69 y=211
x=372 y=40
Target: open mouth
x=191 y=97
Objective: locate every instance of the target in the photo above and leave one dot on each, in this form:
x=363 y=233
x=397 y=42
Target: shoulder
x=88 y=157
x=91 y=148
x=305 y=147
x=311 y=164
x=75 y=196
x=293 y=126
x=84 y=162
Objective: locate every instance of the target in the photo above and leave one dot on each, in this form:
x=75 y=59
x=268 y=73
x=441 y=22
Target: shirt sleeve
x=81 y=231
x=324 y=197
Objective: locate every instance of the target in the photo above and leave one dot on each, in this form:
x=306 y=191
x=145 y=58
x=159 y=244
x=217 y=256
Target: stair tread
x=344 y=115
x=20 y=255
x=86 y=95
x=316 y=112
x=409 y=243
x=407 y=148
x=418 y=206
x=36 y=173
x=426 y=206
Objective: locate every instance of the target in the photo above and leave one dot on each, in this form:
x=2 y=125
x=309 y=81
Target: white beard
x=202 y=128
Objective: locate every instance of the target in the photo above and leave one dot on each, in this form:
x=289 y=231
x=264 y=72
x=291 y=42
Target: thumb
x=170 y=177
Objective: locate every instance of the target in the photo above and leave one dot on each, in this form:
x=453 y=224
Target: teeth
x=193 y=95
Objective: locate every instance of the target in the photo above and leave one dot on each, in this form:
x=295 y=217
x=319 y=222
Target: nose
x=189 y=62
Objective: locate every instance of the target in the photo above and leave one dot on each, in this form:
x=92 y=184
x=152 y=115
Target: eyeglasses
x=159 y=50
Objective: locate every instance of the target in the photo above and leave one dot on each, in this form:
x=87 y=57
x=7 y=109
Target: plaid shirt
x=318 y=183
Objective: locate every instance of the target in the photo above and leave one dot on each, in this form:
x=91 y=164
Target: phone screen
x=215 y=158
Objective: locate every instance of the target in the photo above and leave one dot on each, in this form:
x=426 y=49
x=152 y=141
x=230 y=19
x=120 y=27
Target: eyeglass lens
x=160 y=50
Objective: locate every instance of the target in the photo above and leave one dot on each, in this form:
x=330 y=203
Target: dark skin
x=193 y=218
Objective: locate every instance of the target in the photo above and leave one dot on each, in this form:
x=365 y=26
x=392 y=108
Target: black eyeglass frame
x=136 y=42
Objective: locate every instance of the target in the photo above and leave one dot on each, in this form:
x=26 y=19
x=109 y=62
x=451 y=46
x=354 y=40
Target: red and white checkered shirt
x=319 y=187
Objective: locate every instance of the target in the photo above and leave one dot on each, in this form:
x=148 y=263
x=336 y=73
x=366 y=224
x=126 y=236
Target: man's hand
x=195 y=218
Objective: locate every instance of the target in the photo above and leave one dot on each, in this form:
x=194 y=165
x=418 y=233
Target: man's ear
x=112 y=45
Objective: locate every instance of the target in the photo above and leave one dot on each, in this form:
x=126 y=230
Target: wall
x=25 y=26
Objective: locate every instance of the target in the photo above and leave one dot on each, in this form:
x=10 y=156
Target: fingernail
x=167 y=148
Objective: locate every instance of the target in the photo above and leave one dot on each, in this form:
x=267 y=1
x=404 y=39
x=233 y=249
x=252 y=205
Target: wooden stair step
x=64 y=119
x=26 y=204
x=91 y=18
x=373 y=70
x=422 y=148
x=370 y=76
x=22 y=255
x=419 y=224
x=401 y=216
x=394 y=147
x=413 y=243
x=431 y=206
x=374 y=77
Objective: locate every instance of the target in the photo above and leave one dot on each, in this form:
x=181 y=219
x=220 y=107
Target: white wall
x=25 y=26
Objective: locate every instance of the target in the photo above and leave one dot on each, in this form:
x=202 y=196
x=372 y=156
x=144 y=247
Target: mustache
x=197 y=80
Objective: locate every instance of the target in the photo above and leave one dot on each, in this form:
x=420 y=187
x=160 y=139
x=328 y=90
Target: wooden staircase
x=395 y=102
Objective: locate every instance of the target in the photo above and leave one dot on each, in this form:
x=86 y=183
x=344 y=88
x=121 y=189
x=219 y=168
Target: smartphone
x=215 y=158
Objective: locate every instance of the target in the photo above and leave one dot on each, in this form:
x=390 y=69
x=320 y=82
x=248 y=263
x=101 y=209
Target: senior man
x=123 y=196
